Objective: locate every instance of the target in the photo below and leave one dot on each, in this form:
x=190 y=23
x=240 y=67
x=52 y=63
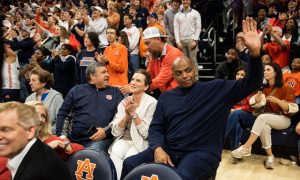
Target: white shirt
x=187 y=25
x=99 y=26
x=10 y=75
x=14 y=163
x=133 y=34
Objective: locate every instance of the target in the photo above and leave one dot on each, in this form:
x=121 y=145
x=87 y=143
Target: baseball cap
x=152 y=32
x=154 y=15
x=97 y=8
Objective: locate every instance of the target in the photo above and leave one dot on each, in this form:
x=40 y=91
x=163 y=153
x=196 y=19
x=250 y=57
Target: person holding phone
x=93 y=106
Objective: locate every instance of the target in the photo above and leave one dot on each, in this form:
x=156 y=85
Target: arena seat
x=91 y=164
x=153 y=171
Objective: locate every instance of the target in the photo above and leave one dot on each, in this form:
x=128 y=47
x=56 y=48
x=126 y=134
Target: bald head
x=184 y=71
x=179 y=60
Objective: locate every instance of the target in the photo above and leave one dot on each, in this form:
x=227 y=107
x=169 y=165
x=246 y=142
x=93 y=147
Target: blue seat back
x=153 y=171
x=91 y=164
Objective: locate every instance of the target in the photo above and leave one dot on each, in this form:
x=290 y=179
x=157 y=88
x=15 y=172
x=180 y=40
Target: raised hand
x=251 y=37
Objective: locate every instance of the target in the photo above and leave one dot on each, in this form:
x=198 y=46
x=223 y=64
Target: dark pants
x=191 y=165
x=10 y=95
x=238 y=120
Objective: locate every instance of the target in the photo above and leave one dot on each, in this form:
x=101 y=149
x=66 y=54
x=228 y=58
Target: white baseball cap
x=153 y=32
x=97 y=8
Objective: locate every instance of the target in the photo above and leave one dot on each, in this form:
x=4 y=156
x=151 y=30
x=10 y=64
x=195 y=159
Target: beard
x=155 y=54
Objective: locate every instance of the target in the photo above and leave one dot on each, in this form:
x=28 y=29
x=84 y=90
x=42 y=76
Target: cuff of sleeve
x=258 y=105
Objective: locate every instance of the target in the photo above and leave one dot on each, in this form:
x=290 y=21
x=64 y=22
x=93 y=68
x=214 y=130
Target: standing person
x=162 y=56
x=97 y=24
x=93 y=107
x=28 y=157
x=10 y=90
x=131 y=123
x=133 y=35
x=169 y=16
x=190 y=135
x=64 y=70
x=116 y=57
x=187 y=29
x=87 y=56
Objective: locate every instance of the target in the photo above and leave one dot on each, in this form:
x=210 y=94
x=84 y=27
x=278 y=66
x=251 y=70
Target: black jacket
x=42 y=163
x=25 y=49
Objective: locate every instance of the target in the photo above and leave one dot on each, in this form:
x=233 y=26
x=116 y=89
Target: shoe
x=241 y=152
x=269 y=162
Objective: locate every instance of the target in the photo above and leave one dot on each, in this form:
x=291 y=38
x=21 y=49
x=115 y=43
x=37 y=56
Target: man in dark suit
x=28 y=157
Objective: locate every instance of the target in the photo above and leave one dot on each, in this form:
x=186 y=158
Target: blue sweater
x=194 y=119
x=90 y=106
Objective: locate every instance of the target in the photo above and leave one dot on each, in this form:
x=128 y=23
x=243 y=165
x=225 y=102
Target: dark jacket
x=64 y=74
x=90 y=107
x=227 y=70
x=42 y=163
x=25 y=49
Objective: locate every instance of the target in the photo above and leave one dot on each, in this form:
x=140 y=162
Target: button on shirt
x=14 y=163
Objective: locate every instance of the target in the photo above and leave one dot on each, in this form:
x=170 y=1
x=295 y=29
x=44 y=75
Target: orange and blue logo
x=85 y=170
x=153 y=177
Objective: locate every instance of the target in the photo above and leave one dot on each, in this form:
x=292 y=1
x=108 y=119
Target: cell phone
x=92 y=130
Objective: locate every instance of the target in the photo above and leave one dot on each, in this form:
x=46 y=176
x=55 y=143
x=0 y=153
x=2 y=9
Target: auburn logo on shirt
x=85 y=167
x=153 y=177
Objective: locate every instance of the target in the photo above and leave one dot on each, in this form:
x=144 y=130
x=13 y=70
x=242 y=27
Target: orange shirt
x=113 y=20
x=279 y=55
x=161 y=70
x=117 y=56
x=293 y=79
x=44 y=24
x=283 y=93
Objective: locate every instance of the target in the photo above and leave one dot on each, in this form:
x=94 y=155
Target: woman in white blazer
x=131 y=123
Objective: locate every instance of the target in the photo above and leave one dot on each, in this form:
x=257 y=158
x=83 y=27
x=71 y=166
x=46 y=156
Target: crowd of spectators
x=78 y=59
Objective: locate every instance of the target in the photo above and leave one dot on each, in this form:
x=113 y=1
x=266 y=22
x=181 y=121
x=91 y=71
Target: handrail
x=210 y=42
x=216 y=18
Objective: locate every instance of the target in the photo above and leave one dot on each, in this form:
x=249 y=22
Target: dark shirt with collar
x=90 y=106
x=25 y=49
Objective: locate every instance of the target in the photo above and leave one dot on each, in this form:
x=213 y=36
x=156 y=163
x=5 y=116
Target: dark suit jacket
x=42 y=163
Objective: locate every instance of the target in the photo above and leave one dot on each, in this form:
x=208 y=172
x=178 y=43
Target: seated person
x=278 y=100
x=240 y=117
x=293 y=78
x=226 y=70
x=93 y=106
x=266 y=58
x=41 y=82
x=298 y=132
x=131 y=123
x=187 y=129
x=60 y=144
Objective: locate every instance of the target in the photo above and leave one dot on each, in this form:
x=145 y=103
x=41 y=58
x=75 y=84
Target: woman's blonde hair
x=45 y=130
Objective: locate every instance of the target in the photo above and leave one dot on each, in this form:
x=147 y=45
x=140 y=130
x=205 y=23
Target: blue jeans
x=101 y=145
x=134 y=59
x=238 y=120
x=191 y=165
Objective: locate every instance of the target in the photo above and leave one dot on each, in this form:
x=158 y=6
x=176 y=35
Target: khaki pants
x=190 y=53
x=263 y=125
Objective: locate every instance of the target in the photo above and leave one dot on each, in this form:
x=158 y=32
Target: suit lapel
x=27 y=159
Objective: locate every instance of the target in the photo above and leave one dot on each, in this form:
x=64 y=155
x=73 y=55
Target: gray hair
x=26 y=114
x=91 y=69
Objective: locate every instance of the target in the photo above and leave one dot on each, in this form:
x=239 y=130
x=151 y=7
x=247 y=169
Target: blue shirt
x=90 y=106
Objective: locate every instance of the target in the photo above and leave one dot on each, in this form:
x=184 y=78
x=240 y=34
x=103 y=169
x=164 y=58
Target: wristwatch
x=66 y=145
x=134 y=116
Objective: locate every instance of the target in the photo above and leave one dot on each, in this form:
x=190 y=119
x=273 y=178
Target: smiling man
x=28 y=157
x=93 y=106
x=187 y=129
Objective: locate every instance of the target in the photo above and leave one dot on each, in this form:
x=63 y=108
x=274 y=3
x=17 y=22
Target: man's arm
x=64 y=111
